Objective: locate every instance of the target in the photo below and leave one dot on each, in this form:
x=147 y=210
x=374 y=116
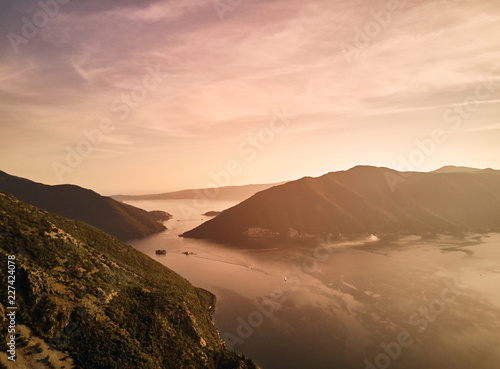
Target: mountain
x=120 y=220
x=362 y=201
x=84 y=299
x=215 y=193
x=455 y=169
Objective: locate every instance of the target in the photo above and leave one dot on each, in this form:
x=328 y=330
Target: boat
x=161 y=252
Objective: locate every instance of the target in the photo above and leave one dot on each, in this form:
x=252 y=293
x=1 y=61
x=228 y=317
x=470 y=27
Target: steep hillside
x=120 y=220
x=362 y=201
x=99 y=300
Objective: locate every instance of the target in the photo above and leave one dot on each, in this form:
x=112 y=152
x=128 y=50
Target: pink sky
x=267 y=91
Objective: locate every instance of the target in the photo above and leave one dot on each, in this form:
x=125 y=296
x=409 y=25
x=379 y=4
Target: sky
x=155 y=96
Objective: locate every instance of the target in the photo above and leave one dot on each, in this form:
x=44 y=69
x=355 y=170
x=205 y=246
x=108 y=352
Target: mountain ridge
x=222 y=193
x=360 y=201
x=456 y=169
x=120 y=220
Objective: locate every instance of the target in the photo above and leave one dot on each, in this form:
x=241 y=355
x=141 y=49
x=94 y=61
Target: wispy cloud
x=489 y=127
x=225 y=77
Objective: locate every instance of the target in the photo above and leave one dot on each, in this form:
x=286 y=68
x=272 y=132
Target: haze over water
x=339 y=306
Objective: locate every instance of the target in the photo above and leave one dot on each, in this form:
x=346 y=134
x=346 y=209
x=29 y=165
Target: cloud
x=226 y=76
x=489 y=127
x=166 y=11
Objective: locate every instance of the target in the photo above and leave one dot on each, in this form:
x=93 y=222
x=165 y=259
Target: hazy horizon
x=162 y=96
x=212 y=183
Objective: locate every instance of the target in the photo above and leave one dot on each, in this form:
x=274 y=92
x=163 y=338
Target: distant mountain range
x=456 y=169
x=365 y=200
x=86 y=300
x=221 y=193
x=120 y=220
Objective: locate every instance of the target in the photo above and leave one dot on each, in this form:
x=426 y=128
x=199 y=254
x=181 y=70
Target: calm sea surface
x=408 y=303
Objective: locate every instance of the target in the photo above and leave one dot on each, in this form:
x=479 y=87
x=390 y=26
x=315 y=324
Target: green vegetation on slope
x=106 y=304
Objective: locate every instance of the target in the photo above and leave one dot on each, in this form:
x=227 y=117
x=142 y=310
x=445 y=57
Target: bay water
x=399 y=303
